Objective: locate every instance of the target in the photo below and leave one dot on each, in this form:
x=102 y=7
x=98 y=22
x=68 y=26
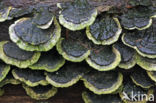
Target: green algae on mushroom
x=128 y=56
x=67 y=75
x=77 y=15
x=73 y=48
x=105 y=30
x=148 y=64
x=30 y=77
x=103 y=82
x=140 y=78
x=130 y=89
x=104 y=58
x=31 y=38
x=11 y=54
x=40 y=92
x=143 y=41
x=137 y=18
x=50 y=61
x=4 y=70
x=89 y=97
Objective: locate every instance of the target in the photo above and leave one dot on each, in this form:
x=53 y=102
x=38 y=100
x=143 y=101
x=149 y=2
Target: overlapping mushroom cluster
x=112 y=53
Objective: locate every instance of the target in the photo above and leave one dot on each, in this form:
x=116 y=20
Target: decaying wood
x=101 y=5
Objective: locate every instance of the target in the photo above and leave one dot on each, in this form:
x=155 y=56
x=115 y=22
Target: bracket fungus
x=31 y=38
x=103 y=82
x=105 y=30
x=10 y=53
x=128 y=55
x=9 y=79
x=4 y=70
x=77 y=48
x=89 y=97
x=77 y=15
x=67 y=75
x=72 y=48
x=40 y=92
x=148 y=64
x=138 y=18
x=43 y=18
x=50 y=61
x=140 y=78
x=130 y=89
x=30 y=77
x=143 y=41
x=152 y=75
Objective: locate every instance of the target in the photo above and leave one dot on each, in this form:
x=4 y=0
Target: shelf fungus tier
x=74 y=48
x=143 y=41
x=49 y=61
x=89 y=97
x=67 y=75
x=103 y=82
x=148 y=64
x=4 y=12
x=31 y=38
x=77 y=15
x=128 y=55
x=30 y=77
x=140 y=78
x=105 y=30
x=104 y=58
x=43 y=18
x=130 y=90
x=4 y=70
x=40 y=92
x=138 y=18
x=152 y=75
x=9 y=79
x=11 y=54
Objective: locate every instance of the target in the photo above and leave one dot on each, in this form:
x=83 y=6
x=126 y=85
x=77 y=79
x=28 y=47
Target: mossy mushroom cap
x=49 y=61
x=67 y=75
x=131 y=89
x=4 y=70
x=140 y=78
x=143 y=41
x=77 y=15
x=11 y=54
x=89 y=97
x=40 y=92
x=105 y=30
x=128 y=55
x=30 y=77
x=103 y=82
x=31 y=38
x=137 y=18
